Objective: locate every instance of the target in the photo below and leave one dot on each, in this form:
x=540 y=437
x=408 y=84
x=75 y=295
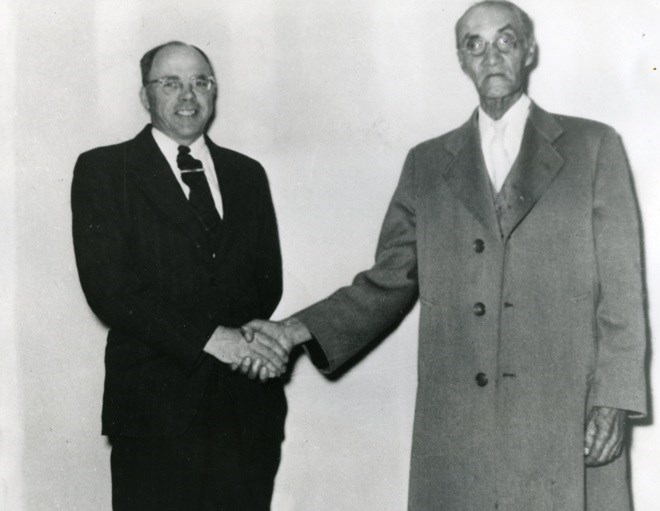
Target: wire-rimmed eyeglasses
x=173 y=85
x=505 y=43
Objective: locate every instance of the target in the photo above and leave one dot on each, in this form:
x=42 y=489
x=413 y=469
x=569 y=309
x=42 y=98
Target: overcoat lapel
x=466 y=174
x=157 y=182
x=535 y=168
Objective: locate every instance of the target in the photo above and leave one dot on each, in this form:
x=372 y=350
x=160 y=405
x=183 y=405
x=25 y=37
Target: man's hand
x=287 y=334
x=268 y=358
x=603 y=439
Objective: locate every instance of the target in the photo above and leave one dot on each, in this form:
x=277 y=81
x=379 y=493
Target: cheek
x=514 y=65
x=167 y=109
x=473 y=71
x=207 y=102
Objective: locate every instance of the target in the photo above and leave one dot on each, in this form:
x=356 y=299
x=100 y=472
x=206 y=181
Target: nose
x=186 y=91
x=492 y=55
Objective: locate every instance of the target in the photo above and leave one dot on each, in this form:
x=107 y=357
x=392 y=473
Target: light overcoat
x=529 y=315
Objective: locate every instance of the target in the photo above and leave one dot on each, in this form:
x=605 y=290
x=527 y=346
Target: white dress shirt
x=199 y=151
x=514 y=126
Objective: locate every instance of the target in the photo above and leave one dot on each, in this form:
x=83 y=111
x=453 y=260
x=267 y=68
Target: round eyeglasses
x=505 y=43
x=172 y=86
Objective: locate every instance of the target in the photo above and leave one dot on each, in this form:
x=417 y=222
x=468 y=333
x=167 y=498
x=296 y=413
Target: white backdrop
x=329 y=96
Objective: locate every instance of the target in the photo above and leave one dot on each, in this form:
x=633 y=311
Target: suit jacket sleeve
x=619 y=375
x=378 y=298
x=113 y=290
x=269 y=259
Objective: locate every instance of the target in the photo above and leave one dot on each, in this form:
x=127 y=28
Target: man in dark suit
x=176 y=246
x=519 y=233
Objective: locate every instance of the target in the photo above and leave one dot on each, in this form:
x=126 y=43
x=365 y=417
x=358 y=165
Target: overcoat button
x=482 y=380
x=479 y=309
x=479 y=246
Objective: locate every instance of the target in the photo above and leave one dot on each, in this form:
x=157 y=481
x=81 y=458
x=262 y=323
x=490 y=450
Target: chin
x=189 y=131
x=497 y=92
x=495 y=88
x=497 y=95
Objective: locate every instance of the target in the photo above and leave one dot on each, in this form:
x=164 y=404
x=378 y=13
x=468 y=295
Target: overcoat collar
x=535 y=168
x=155 y=178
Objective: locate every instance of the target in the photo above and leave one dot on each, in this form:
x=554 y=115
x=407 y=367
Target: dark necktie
x=200 y=199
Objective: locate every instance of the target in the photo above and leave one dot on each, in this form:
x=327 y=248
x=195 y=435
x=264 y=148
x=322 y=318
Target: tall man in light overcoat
x=519 y=233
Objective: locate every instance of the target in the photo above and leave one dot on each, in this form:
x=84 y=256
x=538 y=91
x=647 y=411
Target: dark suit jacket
x=149 y=272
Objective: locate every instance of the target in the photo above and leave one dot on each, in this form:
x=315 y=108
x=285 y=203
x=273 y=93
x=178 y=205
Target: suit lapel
x=466 y=174
x=228 y=189
x=226 y=184
x=155 y=179
x=535 y=168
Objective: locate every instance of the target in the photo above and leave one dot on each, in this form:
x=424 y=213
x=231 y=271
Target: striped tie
x=200 y=199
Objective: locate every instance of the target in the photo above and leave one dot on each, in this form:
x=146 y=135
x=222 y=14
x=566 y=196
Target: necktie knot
x=185 y=161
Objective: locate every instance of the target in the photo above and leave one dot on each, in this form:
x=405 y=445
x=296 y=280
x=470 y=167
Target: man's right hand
x=267 y=358
x=286 y=334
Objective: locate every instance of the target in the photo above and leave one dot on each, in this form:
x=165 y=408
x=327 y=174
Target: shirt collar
x=171 y=148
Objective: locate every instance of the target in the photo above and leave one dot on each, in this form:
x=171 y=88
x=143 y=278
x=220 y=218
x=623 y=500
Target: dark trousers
x=208 y=468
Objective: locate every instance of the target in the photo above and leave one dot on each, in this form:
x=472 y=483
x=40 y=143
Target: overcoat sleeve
x=378 y=298
x=619 y=376
x=113 y=289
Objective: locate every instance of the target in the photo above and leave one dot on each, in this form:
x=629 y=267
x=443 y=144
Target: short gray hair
x=525 y=21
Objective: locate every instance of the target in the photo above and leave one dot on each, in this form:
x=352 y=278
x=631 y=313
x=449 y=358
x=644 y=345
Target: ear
x=531 y=54
x=144 y=97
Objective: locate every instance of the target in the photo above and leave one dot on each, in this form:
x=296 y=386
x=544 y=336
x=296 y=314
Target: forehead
x=180 y=61
x=488 y=20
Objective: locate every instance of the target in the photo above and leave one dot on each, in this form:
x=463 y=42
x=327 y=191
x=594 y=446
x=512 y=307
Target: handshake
x=259 y=348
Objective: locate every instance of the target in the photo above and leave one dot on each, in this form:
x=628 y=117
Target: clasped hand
x=261 y=355
x=260 y=348
x=270 y=342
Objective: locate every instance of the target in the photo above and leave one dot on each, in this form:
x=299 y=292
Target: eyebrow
x=177 y=77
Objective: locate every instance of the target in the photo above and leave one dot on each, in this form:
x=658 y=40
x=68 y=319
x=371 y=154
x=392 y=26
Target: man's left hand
x=604 y=435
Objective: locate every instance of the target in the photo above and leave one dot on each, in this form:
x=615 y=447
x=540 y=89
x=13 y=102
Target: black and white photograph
x=294 y=255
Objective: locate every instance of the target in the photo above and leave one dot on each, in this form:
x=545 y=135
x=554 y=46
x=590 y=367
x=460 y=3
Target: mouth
x=186 y=112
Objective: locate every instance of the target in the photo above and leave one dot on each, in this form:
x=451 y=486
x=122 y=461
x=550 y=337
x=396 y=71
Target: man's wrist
x=297 y=331
x=215 y=343
x=211 y=346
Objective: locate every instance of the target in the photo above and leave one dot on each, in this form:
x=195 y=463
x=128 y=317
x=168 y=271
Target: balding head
x=147 y=59
x=523 y=20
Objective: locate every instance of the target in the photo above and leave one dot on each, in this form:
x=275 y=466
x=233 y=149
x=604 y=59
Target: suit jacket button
x=479 y=246
x=482 y=380
x=479 y=309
